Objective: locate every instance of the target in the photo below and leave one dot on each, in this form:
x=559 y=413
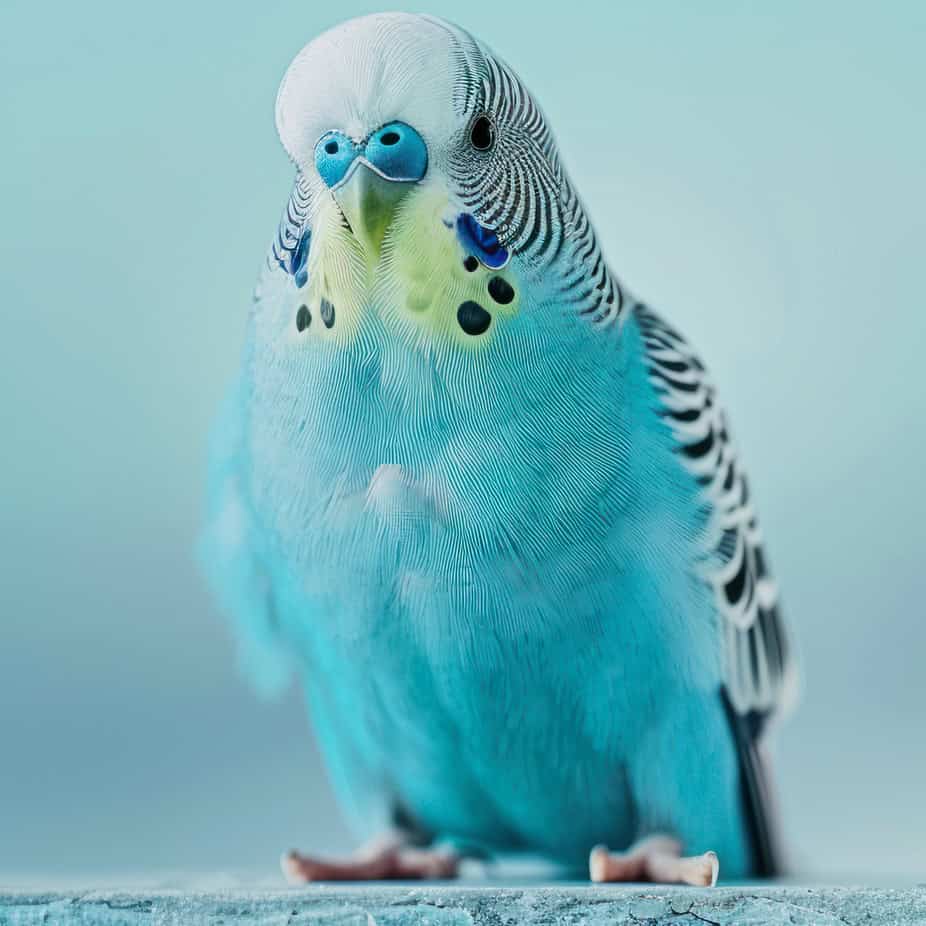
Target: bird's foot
x=655 y=858
x=384 y=860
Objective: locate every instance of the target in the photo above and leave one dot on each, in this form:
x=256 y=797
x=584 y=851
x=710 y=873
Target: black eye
x=482 y=133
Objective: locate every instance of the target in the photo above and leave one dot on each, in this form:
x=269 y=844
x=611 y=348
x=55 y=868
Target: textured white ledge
x=445 y=904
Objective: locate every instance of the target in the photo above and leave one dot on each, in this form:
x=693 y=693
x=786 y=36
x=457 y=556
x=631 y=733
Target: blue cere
x=398 y=152
x=395 y=150
x=483 y=242
x=334 y=154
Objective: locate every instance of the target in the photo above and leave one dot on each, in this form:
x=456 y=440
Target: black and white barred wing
x=760 y=671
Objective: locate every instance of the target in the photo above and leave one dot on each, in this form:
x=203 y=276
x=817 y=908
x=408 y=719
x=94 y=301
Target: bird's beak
x=368 y=201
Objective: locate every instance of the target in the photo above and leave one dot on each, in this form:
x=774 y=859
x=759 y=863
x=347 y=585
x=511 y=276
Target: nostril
x=397 y=152
x=334 y=154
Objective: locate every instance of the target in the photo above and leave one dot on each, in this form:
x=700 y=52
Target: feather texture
x=760 y=671
x=491 y=514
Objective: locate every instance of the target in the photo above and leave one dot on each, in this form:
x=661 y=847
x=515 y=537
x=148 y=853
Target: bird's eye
x=482 y=133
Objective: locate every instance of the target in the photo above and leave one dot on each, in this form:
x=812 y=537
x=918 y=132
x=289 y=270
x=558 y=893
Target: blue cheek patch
x=300 y=258
x=294 y=261
x=482 y=242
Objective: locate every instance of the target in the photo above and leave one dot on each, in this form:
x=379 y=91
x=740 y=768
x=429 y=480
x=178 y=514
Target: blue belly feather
x=505 y=635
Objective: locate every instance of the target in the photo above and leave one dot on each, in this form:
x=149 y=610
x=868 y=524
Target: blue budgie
x=484 y=502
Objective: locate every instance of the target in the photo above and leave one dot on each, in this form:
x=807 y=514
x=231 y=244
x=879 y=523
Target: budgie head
x=428 y=184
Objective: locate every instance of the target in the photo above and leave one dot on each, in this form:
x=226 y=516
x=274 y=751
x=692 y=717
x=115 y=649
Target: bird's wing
x=759 y=669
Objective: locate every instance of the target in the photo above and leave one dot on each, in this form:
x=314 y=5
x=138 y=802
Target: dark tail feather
x=757 y=792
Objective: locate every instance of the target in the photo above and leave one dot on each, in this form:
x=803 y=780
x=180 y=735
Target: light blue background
x=757 y=172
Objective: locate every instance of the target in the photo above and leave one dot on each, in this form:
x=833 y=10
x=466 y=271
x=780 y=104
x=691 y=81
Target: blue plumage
x=481 y=242
x=500 y=560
